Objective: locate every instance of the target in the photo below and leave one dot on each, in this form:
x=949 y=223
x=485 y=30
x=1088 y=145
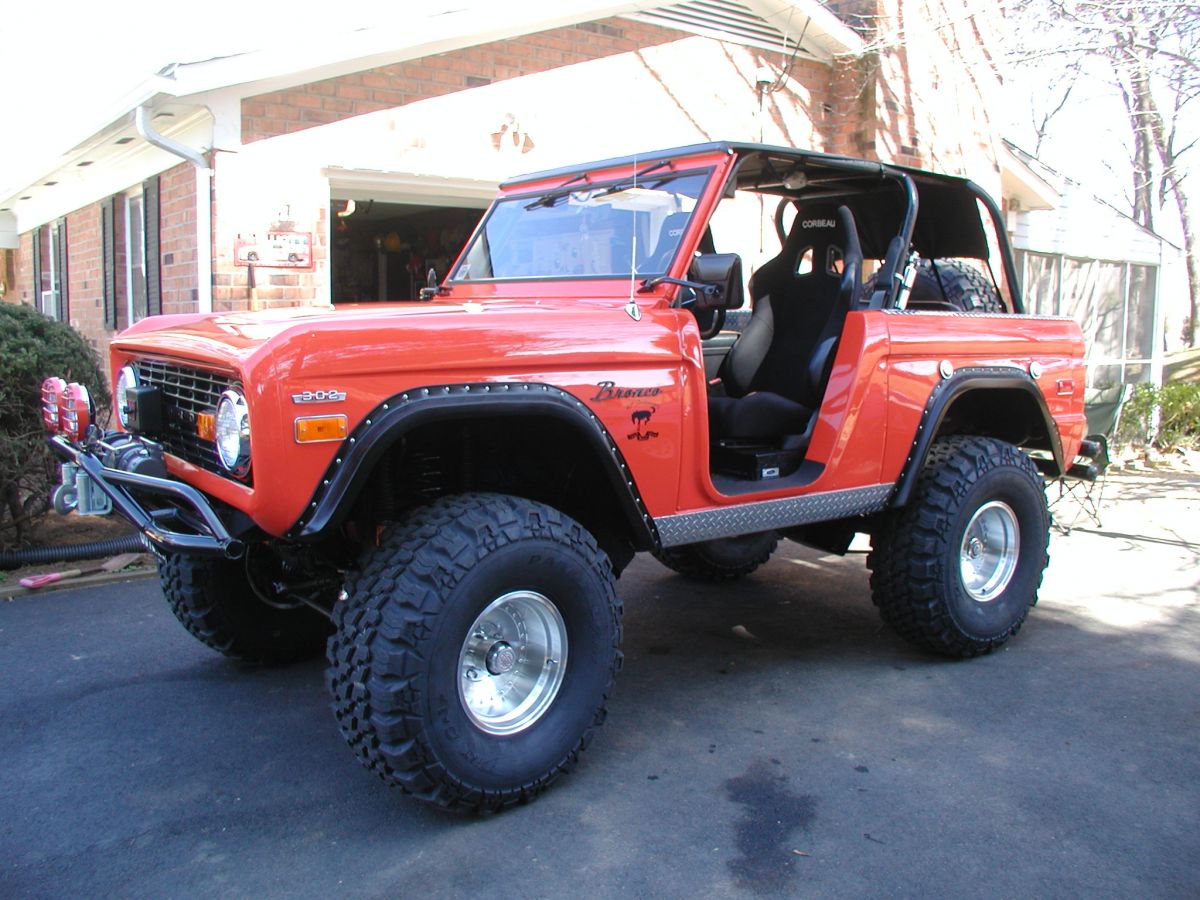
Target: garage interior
x=383 y=250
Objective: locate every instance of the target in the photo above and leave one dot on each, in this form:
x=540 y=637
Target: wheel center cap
x=502 y=658
x=975 y=548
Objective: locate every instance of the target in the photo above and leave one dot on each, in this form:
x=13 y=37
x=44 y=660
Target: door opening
x=382 y=251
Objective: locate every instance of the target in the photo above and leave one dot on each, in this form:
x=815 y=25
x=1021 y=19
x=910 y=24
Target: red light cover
x=75 y=411
x=52 y=391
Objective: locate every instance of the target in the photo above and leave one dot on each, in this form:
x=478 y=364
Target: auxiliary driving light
x=52 y=390
x=74 y=411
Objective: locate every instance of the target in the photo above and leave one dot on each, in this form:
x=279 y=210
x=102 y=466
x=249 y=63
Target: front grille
x=186 y=391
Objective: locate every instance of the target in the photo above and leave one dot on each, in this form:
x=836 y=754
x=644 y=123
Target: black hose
x=37 y=556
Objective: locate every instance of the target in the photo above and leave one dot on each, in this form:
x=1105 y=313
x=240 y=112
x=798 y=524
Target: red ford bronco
x=442 y=492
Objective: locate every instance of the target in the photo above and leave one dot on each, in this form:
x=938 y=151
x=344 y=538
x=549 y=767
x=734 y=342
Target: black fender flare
x=401 y=413
x=943 y=397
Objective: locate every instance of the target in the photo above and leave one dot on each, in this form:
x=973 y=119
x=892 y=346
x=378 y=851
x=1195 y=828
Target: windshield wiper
x=633 y=180
x=551 y=199
x=557 y=194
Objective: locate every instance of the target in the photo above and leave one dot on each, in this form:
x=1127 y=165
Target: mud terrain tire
x=958 y=569
x=436 y=599
x=723 y=560
x=957 y=283
x=212 y=598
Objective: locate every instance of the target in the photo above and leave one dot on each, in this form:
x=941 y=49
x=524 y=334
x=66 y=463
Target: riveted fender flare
x=404 y=412
x=943 y=397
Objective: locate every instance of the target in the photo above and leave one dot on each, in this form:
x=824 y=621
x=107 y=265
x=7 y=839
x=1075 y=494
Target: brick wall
x=851 y=127
x=85 y=276
x=322 y=102
x=232 y=288
x=921 y=96
x=177 y=234
x=85 y=256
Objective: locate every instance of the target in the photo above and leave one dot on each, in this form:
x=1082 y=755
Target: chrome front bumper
x=184 y=522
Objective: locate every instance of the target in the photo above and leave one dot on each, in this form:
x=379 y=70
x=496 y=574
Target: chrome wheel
x=990 y=547
x=512 y=663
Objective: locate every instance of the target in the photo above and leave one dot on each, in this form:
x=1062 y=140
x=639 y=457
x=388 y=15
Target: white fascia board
x=401 y=38
x=1018 y=180
x=825 y=35
x=328 y=55
x=409 y=187
x=121 y=169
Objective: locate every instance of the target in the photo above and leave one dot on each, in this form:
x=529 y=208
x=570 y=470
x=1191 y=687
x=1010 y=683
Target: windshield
x=600 y=230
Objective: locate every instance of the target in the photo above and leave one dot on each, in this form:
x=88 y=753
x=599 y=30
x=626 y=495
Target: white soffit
x=111 y=161
x=786 y=26
x=396 y=37
x=1019 y=182
x=399 y=33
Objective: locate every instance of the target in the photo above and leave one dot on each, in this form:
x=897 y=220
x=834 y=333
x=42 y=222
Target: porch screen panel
x=1139 y=342
x=1110 y=310
x=1041 y=284
x=1078 y=296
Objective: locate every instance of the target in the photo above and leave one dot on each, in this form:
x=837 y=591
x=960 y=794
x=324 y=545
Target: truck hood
x=441 y=335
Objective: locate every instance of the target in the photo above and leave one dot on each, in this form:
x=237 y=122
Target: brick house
x=342 y=171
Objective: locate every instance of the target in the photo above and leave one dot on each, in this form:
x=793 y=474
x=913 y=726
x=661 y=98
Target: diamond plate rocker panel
x=746 y=518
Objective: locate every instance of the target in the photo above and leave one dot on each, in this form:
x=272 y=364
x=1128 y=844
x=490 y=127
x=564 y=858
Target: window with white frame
x=137 y=303
x=50 y=264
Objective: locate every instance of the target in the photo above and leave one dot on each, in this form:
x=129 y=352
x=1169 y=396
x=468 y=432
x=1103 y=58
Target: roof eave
x=824 y=34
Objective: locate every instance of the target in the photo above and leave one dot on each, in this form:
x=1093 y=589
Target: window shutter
x=108 y=245
x=63 y=279
x=153 y=247
x=37 y=268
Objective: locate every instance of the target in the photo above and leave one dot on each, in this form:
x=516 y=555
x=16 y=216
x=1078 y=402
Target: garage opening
x=382 y=250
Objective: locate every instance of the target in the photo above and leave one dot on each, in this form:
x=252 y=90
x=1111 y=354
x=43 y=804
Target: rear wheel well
x=1010 y=414
x=538 y=457
x=990 y=404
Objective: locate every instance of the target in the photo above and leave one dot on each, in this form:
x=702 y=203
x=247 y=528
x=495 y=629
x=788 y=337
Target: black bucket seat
x=775 y=375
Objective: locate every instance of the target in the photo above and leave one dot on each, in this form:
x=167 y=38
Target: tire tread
x=374 y=653
x=909 y=546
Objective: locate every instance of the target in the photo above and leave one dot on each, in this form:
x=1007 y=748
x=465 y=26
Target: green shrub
x=33 y=347
x=1179 y=415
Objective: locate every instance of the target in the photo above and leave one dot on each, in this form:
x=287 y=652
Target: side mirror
x=724 y=271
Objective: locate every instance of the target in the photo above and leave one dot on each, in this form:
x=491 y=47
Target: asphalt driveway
x=807 y=753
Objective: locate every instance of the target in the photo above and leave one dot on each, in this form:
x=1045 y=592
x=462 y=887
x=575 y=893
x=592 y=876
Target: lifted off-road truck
x=442 y=492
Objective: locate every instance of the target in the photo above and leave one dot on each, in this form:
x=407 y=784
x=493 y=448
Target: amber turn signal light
x=315 y=429
x=206 y=426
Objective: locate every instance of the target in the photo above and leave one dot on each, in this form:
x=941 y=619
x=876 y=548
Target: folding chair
x=1102 y=406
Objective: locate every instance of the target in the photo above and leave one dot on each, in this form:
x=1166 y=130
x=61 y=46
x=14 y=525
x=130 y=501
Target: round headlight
x=233 y=432
x=126 y=379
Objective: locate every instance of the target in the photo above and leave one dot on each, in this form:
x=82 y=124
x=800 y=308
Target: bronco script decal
x=608 y=390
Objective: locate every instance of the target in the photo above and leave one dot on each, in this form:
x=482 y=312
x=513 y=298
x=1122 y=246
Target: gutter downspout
x=204 y=177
